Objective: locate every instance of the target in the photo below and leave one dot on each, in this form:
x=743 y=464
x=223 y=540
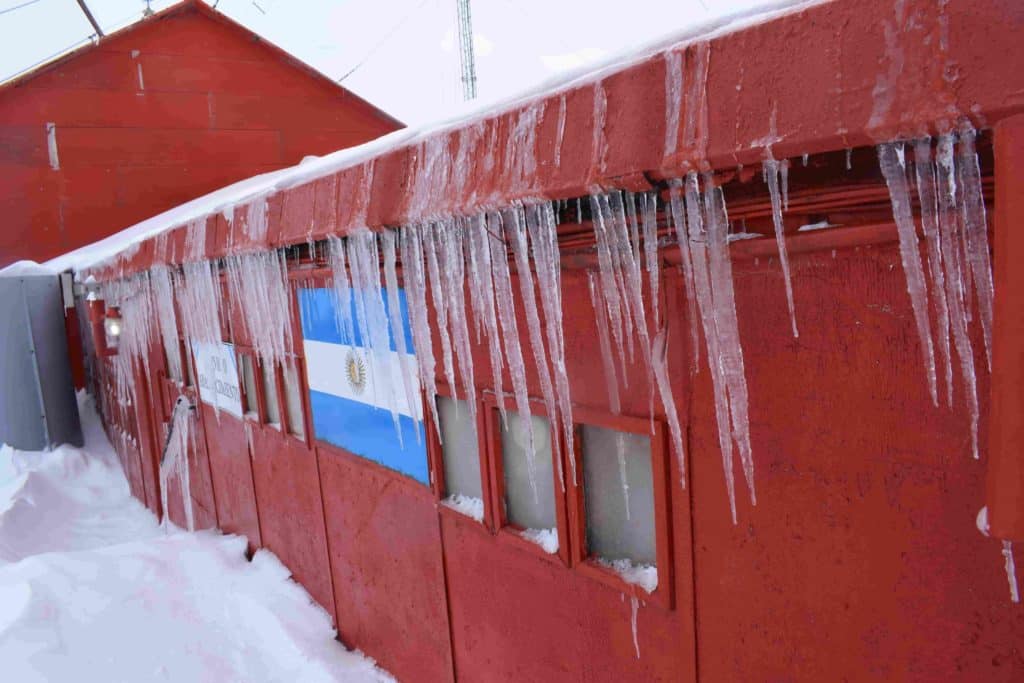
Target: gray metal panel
x=37 y=397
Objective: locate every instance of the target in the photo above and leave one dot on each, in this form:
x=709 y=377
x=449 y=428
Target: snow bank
x=92 y=589
x=467 y=505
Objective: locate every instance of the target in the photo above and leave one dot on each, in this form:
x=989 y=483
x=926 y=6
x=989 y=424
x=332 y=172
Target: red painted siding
x=215 y=104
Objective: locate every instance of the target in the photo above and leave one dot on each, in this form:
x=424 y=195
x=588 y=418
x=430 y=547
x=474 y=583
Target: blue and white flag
x=353 y=391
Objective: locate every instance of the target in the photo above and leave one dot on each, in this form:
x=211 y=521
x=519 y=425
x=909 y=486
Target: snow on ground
x=92 y=589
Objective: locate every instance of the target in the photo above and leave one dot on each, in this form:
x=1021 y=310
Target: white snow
x=643 y=575
x=545 y=538
x=21 y=268
x=92 y=588
x=467 y=505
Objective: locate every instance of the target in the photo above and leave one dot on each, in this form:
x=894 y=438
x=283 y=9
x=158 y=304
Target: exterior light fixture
x=112 y=327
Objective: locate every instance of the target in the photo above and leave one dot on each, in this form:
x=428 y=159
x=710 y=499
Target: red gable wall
x=214 y=104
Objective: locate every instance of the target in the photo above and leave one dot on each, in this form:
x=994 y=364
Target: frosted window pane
x=248 y=382
x=524 y=507
x=293 y=400
x=459 y=447
x=270 y=393
x=613 y=534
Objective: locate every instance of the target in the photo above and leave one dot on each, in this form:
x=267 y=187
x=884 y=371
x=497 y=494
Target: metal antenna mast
x=466 y=50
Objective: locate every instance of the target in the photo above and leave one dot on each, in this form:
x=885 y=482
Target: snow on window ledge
x=467 y=505
x=547 y=539
x=643 y=575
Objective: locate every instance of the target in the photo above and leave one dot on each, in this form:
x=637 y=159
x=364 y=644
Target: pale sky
x=404 y=52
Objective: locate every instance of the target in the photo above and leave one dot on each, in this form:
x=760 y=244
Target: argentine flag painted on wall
x=352 y=391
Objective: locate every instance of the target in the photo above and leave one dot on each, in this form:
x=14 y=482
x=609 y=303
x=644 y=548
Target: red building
x=163 y=111
x=838 y=132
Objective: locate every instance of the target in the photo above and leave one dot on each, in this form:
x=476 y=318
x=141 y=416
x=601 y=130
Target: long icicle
x=409 y=384
x=771 y=171
x=924 y=172
x=415 y=282
x=510 y=334
x=890 y=158
x=542 y=226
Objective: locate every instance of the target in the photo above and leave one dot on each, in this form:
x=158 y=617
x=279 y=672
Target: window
x=621 y=524
x=529 y=484
x=460 y=453
x=268 y=380
x=249 y=400
x=293 y=399
x=619 y=495
x=527 y=496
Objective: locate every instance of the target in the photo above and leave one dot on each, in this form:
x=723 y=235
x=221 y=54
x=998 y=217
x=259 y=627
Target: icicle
x=256 y=220
x=695 y=131
x=806 y=158
x=694 y=240
x=1011 y=571
x=175 y=462
x=438 y=293
x=167 y=320
x=258 y=282
x=720 y=270
x=659 y=359
x=673 y=98
x=599 y=144
x=609 y=281
x=561 y=131
x=849 y=159
x=510 y=334
x=601 y=316
x=784 y=178
x=772 y=169
x=449 y=236
x=543 y=230
x=890 y=158
x=409 y=383
x=635 y=606
x=483 y=284
x=515 y=232
x=649 y=222
x=364 y=261
x=199 y=296
x=414 y=280
x=924 y=171
x=579 y=211
x=954 y=277
x=976 y=233
x=678 y=219
x=341 y=289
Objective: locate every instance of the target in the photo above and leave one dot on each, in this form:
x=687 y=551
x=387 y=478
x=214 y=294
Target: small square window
x=269 y=382
x=460 y=451
x=619 y=496
x=248 y=385
x=529 y=482
x=293 y=400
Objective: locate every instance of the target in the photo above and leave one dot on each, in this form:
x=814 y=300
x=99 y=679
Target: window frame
x=664 y=594
x=435 y=455
x=504 y=530
x=254 y=417
x=299 y=364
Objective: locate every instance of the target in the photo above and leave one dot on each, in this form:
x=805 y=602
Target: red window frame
x=663 y=595
x=507 y=532
x=435 y=455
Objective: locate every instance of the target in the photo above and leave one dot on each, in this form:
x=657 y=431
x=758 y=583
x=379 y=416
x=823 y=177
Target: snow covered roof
x=715 y=96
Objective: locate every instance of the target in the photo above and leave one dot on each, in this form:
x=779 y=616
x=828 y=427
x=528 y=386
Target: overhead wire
x=24 y=4
x=386 y=38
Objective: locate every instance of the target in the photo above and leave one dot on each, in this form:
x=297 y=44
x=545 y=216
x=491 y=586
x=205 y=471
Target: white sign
x=218 y=376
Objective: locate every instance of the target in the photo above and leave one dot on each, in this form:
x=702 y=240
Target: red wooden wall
x=214 y=104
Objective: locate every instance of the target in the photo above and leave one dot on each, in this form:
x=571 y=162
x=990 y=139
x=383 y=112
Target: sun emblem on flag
x=355 y=372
